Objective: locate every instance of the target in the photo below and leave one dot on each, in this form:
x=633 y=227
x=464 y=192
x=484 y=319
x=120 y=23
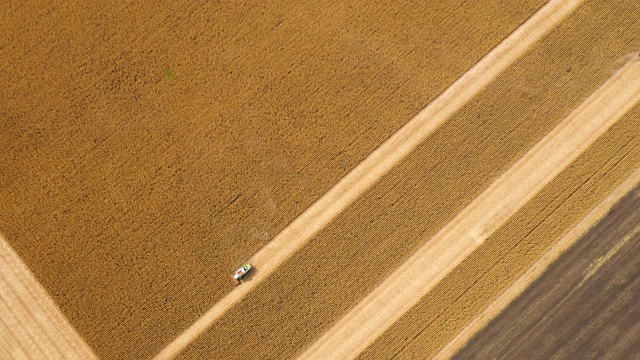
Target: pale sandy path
x=380 y=161
x=534 y=272
x=31 y=324
x=407 y=285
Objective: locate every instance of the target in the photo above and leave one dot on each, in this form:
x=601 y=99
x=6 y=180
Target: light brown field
x=159 y=182
x=165 y=143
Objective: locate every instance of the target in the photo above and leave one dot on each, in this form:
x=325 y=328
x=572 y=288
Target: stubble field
x=161 y=145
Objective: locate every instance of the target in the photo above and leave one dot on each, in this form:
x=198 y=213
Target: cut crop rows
x=515 y=246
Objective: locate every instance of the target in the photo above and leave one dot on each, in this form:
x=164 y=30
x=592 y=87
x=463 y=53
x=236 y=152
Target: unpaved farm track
x=148 y=148
x=31 y=324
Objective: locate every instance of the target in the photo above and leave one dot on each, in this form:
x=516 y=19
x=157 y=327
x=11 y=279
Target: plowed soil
x=148 y=148
x=585 y=306
x=541 y=265
x=373 y=236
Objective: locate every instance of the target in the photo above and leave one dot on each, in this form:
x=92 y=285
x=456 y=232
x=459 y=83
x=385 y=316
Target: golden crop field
x=148 y=149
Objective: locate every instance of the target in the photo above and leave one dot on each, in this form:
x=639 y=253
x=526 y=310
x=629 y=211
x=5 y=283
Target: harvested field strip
x=160 y=185
x=424 y=192
x=540 y=266
x=380 y=161
x=31 y=324
x=585 y=306
x=468 y=230
x=507 y=253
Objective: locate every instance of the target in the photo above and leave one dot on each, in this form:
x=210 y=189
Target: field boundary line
x=539 y=267
x=31 y=324
x=405 y=286
x=381 y=160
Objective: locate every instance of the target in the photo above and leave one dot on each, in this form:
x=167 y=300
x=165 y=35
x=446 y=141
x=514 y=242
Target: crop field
x=508 y=251
x=157 y=185
x=148 y=149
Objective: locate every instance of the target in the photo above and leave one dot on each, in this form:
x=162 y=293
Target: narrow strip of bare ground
x=31 y=324
x=405 y=287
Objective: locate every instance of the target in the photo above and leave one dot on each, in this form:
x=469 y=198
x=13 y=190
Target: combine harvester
x=242 y=271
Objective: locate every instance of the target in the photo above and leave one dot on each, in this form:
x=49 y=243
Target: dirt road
x=378 y=163
x=585 y=306
x=532 y=274
x=405 y=287
x=31 y=324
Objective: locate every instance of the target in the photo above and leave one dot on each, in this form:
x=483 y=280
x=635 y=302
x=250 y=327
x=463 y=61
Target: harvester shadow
x=249 y=275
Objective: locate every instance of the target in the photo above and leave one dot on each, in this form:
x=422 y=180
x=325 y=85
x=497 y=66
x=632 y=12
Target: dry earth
x=585 y=306
x=31 y=324
x=535 y=271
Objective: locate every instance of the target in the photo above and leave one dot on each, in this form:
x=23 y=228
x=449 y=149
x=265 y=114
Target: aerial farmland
x=320 y=180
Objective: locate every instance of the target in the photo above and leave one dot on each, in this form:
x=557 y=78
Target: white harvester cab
x=237 y=276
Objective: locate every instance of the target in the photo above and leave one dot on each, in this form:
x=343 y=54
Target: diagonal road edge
x=404 y=287
x=31 y=324
x=380 y=161
x=539 y=267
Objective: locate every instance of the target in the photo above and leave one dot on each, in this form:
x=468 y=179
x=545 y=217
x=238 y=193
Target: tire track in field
x=31 y=324
x=405 y=287
x=381 y=160
x=538 y=268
